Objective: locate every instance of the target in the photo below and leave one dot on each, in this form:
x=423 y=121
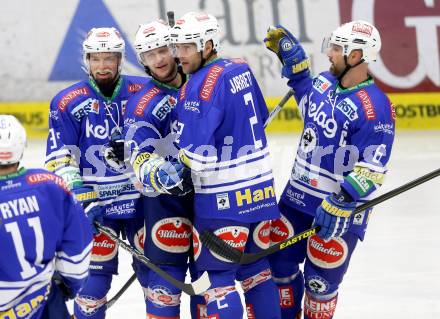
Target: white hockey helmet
x=12 y=140
x=198 y=28
x=103 y=40
x=356 y=35
x=151 y=36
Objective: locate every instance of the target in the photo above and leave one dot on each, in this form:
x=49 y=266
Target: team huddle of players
x=160 y=159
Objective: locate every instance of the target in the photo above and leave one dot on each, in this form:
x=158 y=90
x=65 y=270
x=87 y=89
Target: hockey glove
x=55 y=307
x=296 y=64
x=63 y=288
x=117 y=143
x=161 y=176
x=334 y=216
x=114 y=153
x=88 y=197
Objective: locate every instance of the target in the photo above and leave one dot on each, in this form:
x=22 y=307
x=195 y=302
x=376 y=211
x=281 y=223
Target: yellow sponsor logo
x=86 y=196
x=335 y=210
x=57 y=163
x=375 y=177
x=184 y=159
x=247 y=197
x=23 y=309
x=297 y=238
x=301 y=66
x=33 y=115
x=140 y=159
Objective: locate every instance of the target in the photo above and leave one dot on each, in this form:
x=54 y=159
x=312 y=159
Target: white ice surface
x=394 y=273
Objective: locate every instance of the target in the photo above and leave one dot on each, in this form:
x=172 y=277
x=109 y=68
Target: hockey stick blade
x=278 y=108
x=115 y=298
x=214 y=242
x=195 y=288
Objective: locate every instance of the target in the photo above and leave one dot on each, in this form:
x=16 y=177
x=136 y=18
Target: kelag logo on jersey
x=89 y=14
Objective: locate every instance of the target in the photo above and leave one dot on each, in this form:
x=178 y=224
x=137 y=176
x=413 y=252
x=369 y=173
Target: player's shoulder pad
x=234 y=65
x=36 y=177
x=151 y=94
x=375 y=105
x=135 y=83
x=71 y=96
x=328 y=76
x=233 y=72
x=323 y=81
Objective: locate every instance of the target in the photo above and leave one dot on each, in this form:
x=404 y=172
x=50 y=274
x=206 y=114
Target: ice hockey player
x=43 y=231
x=147 y=129
x=219 y=121
x=341 y=160
x=83 y=120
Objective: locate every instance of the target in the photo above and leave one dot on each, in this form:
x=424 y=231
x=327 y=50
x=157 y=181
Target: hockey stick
x=221 y=248
x=170 y=16
x=278 y=108
x=195 y=288
x=115 y=298
x=212 y=241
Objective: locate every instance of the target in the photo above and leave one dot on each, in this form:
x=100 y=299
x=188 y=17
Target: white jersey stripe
x=246 y=171
x=233 y=187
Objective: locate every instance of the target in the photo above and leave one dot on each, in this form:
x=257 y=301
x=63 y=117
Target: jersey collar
x=21 y=171
x=367 y=82
x=115 y=91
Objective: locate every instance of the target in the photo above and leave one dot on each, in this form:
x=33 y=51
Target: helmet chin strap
x=348 y=67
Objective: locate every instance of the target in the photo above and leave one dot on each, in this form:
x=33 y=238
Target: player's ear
x=209 y=47
x=355 y=56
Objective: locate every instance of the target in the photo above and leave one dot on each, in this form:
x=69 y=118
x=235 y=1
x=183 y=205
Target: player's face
x=336 y=59
x=104 y=66
x=161 y=63
x=189 y=57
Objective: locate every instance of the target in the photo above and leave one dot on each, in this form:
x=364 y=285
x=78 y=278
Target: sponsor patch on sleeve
x=321 y=84
x=134 y=87
x=370 y=114
x=70 y=96
x=164 y=107
x=348 y=108
x=210 y=82
x=145 y=100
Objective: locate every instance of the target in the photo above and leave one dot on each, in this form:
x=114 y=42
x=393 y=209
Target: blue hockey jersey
x=219 y=121
x=42 y=229
x=346 y=142
x=147 y=124
x=81 y=122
